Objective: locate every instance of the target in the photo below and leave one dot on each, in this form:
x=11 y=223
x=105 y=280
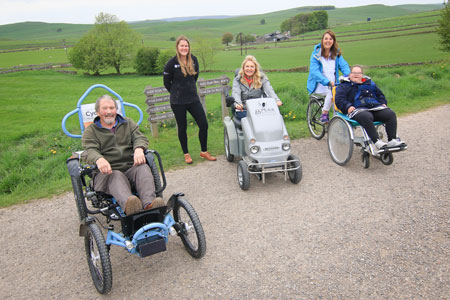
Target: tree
x=262 y=22
x=206 y=51
x=227 y=38
x=119 y=40
x=443 y=29
x=89 y=54
x=145 y=62
x=109 y=43
x=305 y=22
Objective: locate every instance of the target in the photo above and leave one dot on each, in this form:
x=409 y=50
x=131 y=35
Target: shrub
x=146 y=61
x=163 y=57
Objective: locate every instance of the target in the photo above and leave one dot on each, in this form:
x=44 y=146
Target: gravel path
x=342 y=233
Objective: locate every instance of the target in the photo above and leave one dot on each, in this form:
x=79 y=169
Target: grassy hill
x=39 y=34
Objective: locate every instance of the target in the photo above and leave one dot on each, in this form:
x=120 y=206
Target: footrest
x=152 y=247
x=393 y=149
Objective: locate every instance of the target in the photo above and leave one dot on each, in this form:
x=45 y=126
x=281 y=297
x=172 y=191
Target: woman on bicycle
x=325 y=63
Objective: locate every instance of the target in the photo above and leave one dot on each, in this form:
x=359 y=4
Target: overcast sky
x=84 y=11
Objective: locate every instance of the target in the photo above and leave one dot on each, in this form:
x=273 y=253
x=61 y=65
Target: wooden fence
x=34 y=67
x=159 y=106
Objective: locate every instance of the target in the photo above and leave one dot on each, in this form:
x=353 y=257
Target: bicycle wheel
x=316 y=128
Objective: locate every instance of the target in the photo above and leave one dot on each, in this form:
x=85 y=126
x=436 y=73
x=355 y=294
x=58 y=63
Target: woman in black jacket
x=180 y=77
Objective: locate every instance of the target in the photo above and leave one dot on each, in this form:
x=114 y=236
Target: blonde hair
x=257 y=76
x=187 y=68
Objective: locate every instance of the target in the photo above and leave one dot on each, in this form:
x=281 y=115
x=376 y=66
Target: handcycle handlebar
x=80 y=116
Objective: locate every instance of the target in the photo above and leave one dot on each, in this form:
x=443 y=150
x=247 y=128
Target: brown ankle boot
x=133 y=205
x=188 y=158
x=157 y=202
x=207 y=156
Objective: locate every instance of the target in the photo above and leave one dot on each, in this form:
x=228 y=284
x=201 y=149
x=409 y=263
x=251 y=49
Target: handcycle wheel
x=316 y=128
x=387 y=158
x=79 y=196
x=77 y=185
x=226 y=143
x=98 y=258
x=156 y=177
x=340 y=142
x=365 y=160
x=295 y=176
x=243 y=175
x=189 y=228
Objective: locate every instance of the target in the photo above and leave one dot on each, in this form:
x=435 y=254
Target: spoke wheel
x=316 y=128
x=98 y=258
x=387 y=158
x=189 y=228
x=243 y=175
x=295 y=176
x=340 y=143
x=226 y=143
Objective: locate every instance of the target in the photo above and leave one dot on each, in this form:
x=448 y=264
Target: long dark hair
x=334 y=51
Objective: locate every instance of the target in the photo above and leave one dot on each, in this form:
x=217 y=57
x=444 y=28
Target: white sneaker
x=395 y=143
x=380 y=144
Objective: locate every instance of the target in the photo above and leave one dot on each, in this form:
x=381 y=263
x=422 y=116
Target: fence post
x=223 y=101
x=202 y=95
x=153 y=123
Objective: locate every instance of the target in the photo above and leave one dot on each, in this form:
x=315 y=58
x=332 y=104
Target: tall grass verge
x=33 y=148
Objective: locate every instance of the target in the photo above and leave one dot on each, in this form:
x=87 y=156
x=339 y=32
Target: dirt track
x=342 y=233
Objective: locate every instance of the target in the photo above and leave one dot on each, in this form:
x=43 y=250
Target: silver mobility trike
x=261 y=140
x=144 y=233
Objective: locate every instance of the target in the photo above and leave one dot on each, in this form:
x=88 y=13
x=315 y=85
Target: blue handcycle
x=144 y=233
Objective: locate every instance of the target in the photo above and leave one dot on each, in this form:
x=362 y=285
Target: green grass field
x=33 y=147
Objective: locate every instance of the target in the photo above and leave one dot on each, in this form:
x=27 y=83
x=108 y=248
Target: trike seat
x=355 y=123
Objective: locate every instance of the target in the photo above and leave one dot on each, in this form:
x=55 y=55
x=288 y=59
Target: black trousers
x=197 y=112
x=366 y=119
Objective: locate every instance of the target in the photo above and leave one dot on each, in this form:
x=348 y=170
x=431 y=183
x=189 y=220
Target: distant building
x=276 y=36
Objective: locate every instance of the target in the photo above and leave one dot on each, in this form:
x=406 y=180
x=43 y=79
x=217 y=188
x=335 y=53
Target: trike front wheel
x=98 y=258
x=189 y=228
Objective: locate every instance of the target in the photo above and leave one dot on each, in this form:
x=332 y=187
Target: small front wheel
x=365 y=160
x=387 y=158
x=189 y=228
x=243 y=175
x=295 y=176
x=98 y=258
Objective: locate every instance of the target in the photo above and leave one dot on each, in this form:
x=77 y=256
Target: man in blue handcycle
x=116 y=146
x=359 y=98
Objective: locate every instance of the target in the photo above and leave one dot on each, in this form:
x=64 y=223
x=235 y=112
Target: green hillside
x=39 y=34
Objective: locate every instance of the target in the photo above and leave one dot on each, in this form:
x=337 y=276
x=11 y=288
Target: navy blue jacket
x=347 y=90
